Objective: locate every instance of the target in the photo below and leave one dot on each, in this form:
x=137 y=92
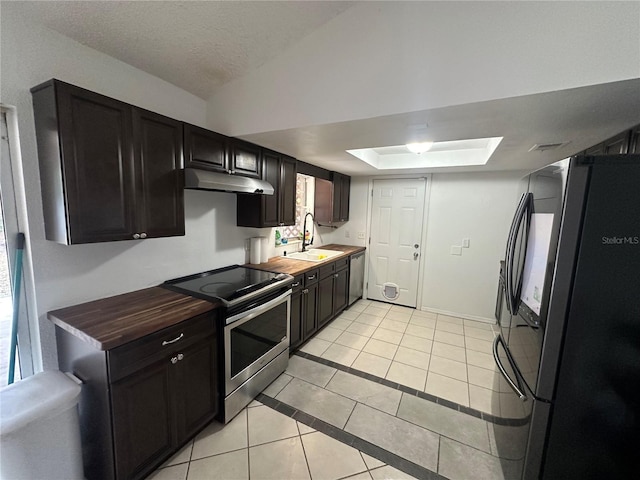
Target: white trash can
x=39 y=428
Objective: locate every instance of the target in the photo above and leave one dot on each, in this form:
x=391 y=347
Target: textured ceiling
x=198 y=45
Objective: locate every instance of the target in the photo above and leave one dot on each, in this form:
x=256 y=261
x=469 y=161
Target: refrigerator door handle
x=496 y=358
x=523 y=213
x=515 y=223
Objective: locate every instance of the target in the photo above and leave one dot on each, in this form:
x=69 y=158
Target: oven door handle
x=254 y=312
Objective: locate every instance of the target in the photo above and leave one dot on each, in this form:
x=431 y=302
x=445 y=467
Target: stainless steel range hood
x=206 y=180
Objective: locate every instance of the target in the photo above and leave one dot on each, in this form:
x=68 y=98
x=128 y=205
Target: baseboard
x=477 y=318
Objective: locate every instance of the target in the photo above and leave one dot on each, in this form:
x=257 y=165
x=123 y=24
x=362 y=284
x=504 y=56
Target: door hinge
x=372 y=192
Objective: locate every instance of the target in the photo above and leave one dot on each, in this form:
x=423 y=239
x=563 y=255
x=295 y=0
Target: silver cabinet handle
x=311 y=277
x=335 y=275
x=174 y=360
x=295 y=284
x=496 y=358
x=136 y=236
x=180 y=356
x=169 y=342
x=143 y=235
x=305 y=291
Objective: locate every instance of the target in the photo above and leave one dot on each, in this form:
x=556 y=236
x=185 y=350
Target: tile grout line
x=416 y=393
x=304 y=452
x=329 y=430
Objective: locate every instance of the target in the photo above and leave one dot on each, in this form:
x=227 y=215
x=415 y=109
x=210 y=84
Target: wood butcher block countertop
x=110 y=322
x=296 y=267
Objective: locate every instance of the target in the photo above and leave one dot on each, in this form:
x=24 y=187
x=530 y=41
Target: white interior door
x=395 y=243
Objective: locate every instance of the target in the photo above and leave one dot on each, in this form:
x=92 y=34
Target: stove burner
x=216 y=287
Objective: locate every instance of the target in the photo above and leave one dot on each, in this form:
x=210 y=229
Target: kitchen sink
x=313 y=255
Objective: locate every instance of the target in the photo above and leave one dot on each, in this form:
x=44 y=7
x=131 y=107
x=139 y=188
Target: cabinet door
x=341 y=291
x=287 y=191
x=158 y=153
x=309 y=310
x=271 y=203
x=325 y=300
x=618 y=144
x=245 y=159
x=197 y=388
x=345 y=186
x=337 y=197
x=143 y=419
x=634 y=144
x=295 y=331
x=205 y=149
x=97 y=161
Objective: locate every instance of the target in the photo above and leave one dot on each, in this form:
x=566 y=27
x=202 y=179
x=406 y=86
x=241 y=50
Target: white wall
x=474 y=206
x=451 y=52
x=67 y=275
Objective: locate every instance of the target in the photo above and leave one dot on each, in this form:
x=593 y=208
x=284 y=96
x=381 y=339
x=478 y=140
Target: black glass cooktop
x=227 y=284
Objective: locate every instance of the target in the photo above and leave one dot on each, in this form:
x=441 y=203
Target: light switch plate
x=456 y=250
x=346 y=234
x=465 y=243
x=361 y=235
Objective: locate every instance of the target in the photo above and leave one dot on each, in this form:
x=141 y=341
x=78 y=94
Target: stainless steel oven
x=256 y=349
x=255 y=316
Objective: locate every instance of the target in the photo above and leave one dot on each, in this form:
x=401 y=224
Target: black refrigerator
x=569 y=342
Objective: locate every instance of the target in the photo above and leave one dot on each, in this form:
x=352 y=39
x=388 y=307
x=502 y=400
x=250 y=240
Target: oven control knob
x=174 y=360
x=143 y=235
x=180 y=356
x=136 y=236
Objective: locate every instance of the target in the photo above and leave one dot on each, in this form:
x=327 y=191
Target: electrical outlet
x=361 y=235
x=456 y=250
x=346 y=234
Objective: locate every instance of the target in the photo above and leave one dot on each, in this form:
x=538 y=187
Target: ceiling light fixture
x=419 y=148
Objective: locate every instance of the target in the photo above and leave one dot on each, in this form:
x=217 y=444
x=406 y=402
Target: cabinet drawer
x=311 y=277
x=327 y=270
x=342 y=263
x=141 y=353
x=296 y=286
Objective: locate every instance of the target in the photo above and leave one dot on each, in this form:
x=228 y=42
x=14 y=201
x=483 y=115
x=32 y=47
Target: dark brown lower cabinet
x=319 y=301
x=143 y=419
x=340 y=291
x=296 y=330
x=309 y=310
x=325 y=300
x=143 y=400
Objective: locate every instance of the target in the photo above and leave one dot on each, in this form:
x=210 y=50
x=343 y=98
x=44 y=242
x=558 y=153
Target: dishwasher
x=356 y=277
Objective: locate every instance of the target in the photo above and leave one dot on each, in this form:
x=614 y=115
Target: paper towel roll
x=264 y=250
x=255 y=256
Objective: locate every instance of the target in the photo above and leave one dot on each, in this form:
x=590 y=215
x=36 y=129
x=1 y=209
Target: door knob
x=415 y=255
x=416 y=246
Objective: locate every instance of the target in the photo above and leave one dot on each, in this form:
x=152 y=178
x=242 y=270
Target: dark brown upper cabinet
x=271 y=210
x=109 y=170
x=205 y=149
x=332 y=200
x=634 y=145
x=622 y=143
x=245 y=158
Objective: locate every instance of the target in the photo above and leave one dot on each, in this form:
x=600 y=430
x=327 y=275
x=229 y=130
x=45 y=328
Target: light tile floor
x=261 y=443
x=445 y=356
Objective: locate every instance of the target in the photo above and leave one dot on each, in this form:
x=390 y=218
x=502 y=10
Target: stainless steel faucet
x=304 y=231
